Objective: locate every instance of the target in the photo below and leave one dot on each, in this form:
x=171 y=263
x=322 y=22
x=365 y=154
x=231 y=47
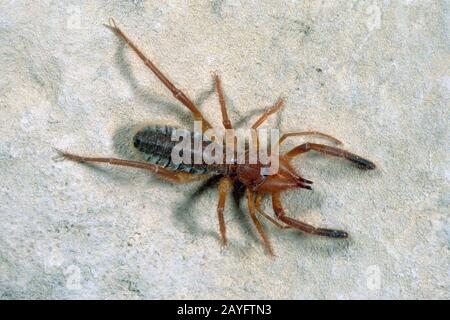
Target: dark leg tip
x=334 y=233
x=339 y=234
x=303 y=181
x=363 y=163
x=369 y=165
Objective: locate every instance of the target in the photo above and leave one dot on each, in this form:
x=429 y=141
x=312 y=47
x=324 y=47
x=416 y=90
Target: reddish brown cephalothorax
x=155 y=142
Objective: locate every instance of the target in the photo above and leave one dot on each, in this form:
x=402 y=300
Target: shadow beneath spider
x=185 y=212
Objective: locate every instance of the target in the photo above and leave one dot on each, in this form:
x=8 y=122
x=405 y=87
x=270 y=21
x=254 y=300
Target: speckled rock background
x=373 y=73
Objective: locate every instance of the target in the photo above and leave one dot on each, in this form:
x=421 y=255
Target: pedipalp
x=279 y=211
x=333 y=151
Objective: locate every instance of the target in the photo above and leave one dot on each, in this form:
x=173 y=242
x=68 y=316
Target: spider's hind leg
x=179 y=177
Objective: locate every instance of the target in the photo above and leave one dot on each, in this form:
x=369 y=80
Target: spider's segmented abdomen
x=157 y=144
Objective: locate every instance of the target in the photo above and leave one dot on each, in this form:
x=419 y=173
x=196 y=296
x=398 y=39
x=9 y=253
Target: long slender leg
x=279 y=211
x=225 y=120
x=307 y=133
x=275 y=108
x=181 y=96
x=259 y=227
x=179 y=177
x=265 y=215
x=359 y=161
x=225 y=185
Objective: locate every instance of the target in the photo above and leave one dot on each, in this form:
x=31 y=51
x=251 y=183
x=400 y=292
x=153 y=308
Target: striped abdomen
x=156 y=143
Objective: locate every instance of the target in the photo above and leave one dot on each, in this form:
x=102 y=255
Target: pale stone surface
x=373 y=73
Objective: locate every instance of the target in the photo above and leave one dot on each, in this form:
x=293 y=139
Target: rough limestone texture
x=375 y=74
